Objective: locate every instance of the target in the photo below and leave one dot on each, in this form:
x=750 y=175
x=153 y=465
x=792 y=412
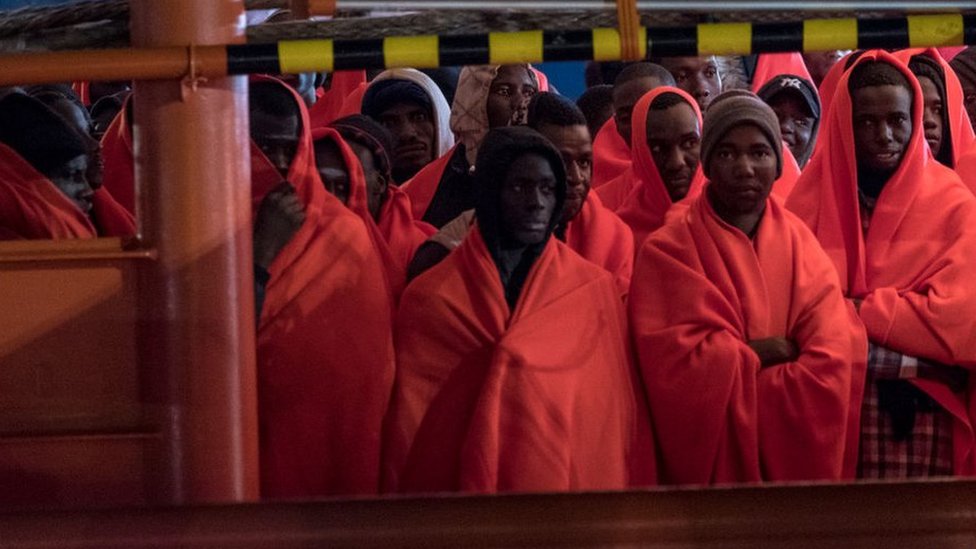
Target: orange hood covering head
x=960 y=129
x=648 y=203
x=326 y=307
x=611 y=155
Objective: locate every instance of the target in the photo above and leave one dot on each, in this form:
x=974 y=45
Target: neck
x=871 y=183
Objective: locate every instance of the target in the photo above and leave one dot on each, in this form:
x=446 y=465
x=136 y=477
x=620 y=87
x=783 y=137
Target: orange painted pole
x=116 y=64
x=196 y=337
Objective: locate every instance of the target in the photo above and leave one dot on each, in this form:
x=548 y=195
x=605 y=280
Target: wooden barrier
x=905 y=515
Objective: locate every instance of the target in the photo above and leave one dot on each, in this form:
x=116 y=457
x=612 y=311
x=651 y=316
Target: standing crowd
x=467 y=282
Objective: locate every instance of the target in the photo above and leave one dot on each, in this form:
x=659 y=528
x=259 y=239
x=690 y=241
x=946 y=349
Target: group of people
x=479 y=285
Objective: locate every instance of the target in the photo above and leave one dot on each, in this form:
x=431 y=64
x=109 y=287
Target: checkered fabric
x=926 y=451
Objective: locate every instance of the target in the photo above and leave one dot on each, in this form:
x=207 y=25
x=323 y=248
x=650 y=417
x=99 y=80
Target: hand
x=774 y=350
x=280 y=216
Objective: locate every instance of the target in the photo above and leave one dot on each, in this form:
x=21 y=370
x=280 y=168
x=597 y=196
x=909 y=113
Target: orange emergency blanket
x=702 y=290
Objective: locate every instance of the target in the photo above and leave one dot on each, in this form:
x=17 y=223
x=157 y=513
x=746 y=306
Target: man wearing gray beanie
x=735 y=306
x=741 y=155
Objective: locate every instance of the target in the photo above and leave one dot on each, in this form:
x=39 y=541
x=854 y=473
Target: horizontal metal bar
x=602 y=44
x=658 y=6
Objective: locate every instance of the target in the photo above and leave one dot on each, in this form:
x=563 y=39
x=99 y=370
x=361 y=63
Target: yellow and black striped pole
x=602 y=44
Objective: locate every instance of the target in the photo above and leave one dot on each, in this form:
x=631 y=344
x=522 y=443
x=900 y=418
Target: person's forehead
x=888 y=97
x=267 y=125
x=575 y=136
x=744 y=134
x=512 y=74
x=676 y=117
x=404 y=108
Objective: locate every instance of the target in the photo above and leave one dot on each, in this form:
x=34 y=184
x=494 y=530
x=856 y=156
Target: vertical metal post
x=196 y=302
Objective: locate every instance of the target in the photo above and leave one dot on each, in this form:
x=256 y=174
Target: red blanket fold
x=600 y=236
x=611 y=155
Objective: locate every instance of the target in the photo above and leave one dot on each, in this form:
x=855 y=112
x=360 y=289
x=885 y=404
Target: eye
x=689 y=143
x=656 y=148
x=710 y=72
x=584 y=163
x=681 y=76
x=724 y=154
x=419 y=117
x=801 y=122
x=503 y=91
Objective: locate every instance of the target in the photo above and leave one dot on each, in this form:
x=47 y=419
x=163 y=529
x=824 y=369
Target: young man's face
x=376 y=183
x=70 y=178
x=742 y=172
x=696 y=75
x=969 y=99
x=674 y=139
x=625 y=96
x=277 y=137
x=412 y=127
x=509 y=95
x=882 y=119
x=576 y=148
x=795 y=121
x=933 y=114
x=528 y=200
x=332 y=169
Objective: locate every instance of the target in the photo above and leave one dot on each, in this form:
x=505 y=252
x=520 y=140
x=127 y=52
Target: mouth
x=933 y=140
x=411 y=151
x=886 y=157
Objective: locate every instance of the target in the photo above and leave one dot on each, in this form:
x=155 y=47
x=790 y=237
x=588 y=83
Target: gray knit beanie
x=735 y=108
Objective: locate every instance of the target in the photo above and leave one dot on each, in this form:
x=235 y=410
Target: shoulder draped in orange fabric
x=702 y=290
x=600 y=236
x=541 y=398
x=611 y=155
x=646 y=201
x=913 y=267
x=325 y=355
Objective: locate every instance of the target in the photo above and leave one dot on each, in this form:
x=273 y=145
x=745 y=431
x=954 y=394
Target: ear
x=384 y=184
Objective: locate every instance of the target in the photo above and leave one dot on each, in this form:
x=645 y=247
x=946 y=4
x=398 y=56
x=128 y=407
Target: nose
x=786 y=126
x=574 y=174
x=885 y=134
x=700 y=89
x=534 y=200
x=674 y=160
x=743 y=165
x=930 y=122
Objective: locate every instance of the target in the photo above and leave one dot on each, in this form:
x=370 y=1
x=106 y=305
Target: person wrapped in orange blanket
x=513 y=371
x=324 y=336
x=45 y=192
x=665 y=171
x=899 y=229
x=751 y=358
x=611 y=144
